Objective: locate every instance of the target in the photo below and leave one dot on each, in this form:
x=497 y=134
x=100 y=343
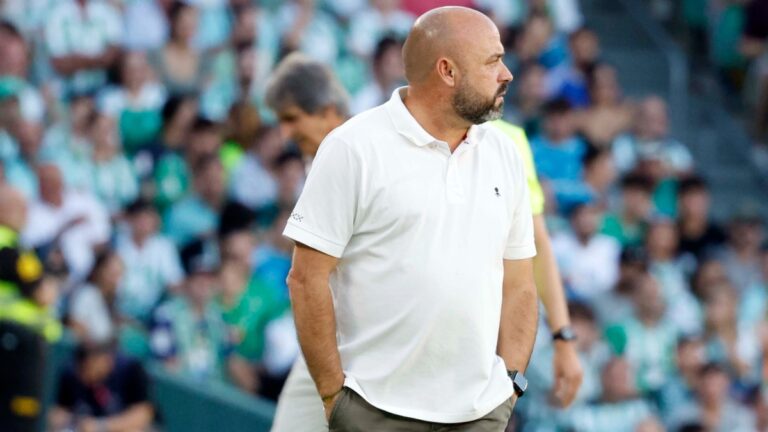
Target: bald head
x=13 y=208
x=448 y=32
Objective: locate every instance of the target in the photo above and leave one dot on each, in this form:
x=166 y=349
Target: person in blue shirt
x=558 y=152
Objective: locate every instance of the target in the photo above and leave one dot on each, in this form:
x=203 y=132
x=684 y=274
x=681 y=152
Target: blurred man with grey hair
x=308 y=100
x=309 y=103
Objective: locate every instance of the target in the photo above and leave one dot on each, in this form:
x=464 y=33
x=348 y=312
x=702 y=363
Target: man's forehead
x=289 y=112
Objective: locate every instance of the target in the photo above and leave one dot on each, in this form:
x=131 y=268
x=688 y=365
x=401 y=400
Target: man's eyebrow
x=496 y=55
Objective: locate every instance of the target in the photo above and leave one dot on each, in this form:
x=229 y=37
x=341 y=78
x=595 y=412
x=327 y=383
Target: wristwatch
x=564 y=334
x=518 y=381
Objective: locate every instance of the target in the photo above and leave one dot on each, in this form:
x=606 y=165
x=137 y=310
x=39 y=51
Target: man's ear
x=447 y=71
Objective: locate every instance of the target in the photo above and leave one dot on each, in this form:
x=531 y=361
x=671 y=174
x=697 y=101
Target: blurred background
x=158 y=184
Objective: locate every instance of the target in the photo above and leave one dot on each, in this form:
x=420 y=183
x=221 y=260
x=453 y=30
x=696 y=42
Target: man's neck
x=445 y=126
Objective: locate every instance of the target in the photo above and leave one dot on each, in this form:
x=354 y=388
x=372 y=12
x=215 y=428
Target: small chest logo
x=496 y=191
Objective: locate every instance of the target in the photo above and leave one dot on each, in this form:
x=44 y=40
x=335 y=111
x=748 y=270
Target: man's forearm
x=316 y=328
x=136 y=418
x=548 y=282
x=519 y=317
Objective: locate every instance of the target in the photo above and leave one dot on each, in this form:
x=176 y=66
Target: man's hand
x=329 y=403
x=568 y=373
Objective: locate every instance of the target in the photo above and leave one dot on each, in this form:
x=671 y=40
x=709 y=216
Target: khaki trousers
x=352 y=413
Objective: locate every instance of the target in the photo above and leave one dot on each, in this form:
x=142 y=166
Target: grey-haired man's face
x=308 y=130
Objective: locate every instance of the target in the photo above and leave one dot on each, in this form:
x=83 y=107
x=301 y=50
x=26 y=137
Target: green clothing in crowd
x=249 y=315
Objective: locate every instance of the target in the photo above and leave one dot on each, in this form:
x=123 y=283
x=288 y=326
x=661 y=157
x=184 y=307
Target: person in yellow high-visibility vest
x=566 y=366
x=25 y=321
x=13 y=214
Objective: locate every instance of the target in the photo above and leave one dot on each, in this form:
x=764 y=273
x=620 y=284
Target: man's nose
x=286 y=130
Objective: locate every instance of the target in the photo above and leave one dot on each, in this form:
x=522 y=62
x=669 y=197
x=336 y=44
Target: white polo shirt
x=421 y=235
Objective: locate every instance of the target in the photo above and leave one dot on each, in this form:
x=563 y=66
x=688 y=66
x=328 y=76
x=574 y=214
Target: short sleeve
x=325 y=213
x=520 y=243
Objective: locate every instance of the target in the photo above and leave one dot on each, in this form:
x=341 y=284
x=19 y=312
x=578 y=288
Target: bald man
x=412 y=282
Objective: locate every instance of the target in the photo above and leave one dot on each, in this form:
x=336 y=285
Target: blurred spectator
x=14 y=66
x=629 y=225
x=146 y=24
x=136 y=103
x=619 y=408
x=529 y=100
x=616 y=304
x=152 y=267
x=272 y=257
x=252 y=182
x=67 y=143
x=19 y=141
x=113 y=180
x=599 y=176
x=215 y=23
x=753 y=46
x=541 y=409
x=71 y=218
x=369 y=26
x=730 y=342
x=741 y=257
x=181 y=68
x=388 y=74
x=585 y=51
x=609 y=115
x=248 y=303
x=588 y=260
x=83 y=39
x=188 y=333
x=307 y=29
x=679 y=390
x=27 y=15
x=558 y=153
x=102 y=391
x=754 y=301
x=699 y=235
x=93 y=310
x=647 y=338
x=708 y=275
x=650 y=138
x=172 y=173
x=666 y=267
x=196 y=215
x=714 y=407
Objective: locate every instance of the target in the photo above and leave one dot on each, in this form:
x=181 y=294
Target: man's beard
x=474 y=108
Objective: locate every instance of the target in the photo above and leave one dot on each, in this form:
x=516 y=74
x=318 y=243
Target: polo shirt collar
x=404 y=122
x=407 y=126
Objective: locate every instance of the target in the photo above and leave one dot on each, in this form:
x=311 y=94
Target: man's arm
x=519 y=314
x=315 y=319
x=137 y=417
x=567 y=368
x=69 y=64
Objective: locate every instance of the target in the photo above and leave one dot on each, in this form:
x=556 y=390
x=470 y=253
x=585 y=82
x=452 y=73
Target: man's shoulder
x=363 y=129
x=364 y=124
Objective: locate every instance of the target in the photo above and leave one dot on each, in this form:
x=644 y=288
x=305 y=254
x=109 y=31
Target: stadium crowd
x=158 y=183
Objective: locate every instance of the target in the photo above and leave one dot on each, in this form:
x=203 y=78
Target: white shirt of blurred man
x=72 y=218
